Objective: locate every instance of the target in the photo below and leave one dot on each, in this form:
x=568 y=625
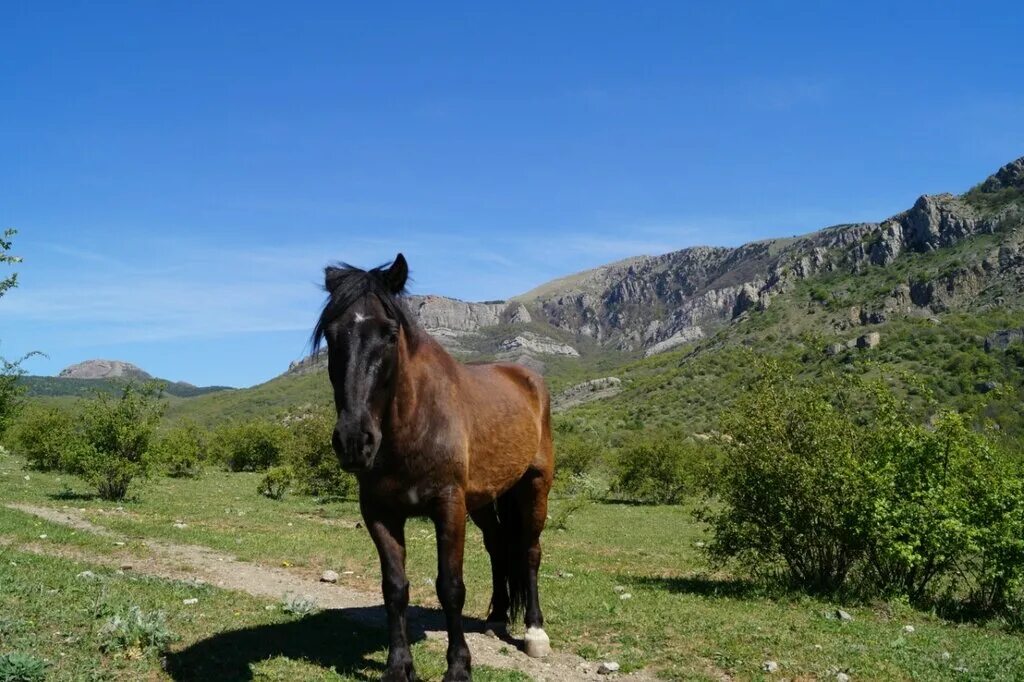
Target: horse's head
x=362 y=322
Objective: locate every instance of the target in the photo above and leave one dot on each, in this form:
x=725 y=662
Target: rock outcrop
x=452 y=321
x=595 y=389
x=534 y=343
x=1009 y=176
x=104 y=369
x=1002 y=339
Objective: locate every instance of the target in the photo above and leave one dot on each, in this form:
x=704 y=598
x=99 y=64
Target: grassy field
x=681 y=620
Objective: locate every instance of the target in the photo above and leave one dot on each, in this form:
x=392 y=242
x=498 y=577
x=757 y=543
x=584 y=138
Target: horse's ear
x=397 y=275
x=332 y=275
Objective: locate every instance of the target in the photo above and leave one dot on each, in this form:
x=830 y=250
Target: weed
x=298 y=605
x=19 y=667
x=136 y=631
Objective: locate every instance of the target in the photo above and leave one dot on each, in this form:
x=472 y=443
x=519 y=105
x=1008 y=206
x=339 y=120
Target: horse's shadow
x=343 y=640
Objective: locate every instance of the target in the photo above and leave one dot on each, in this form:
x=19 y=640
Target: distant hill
x=104 y=369
x=84 y=379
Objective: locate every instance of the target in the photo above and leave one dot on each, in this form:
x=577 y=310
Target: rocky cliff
x=651 y=304
x=656 y=303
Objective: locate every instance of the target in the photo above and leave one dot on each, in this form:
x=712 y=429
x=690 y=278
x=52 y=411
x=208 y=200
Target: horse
x=426 y=435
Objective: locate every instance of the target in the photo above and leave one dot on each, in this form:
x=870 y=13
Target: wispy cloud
x=787 y=92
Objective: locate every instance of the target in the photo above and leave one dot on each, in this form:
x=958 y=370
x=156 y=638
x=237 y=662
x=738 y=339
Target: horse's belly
x=492 y=475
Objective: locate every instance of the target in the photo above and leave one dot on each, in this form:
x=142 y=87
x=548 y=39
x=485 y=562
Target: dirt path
x=177 y=561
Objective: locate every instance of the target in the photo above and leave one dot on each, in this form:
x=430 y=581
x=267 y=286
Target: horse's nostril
x=367 y=439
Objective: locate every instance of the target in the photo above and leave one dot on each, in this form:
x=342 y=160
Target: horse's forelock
x=345 y=284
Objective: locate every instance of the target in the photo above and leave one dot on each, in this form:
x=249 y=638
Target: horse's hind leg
x=487 y=519
x=530 y=499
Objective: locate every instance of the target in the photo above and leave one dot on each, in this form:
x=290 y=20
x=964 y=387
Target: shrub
x=574 y=454
x=924 y=485
x=568 y=509
x=249 y=446
x=44 y=436
x=19 y=667
x=11 y=391
x=276 y=482
x=835 y=481
x=181 y=451
x=656 y=471
x=790 y=486
x=116 y=432
x=994 y=567
x=313 y=460
x=136 y=631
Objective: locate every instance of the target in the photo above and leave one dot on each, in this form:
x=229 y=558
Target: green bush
x=276 y=482
x=116 y=436
x=790 y=488
x=993 y=567
x=840 y=481
x=313 y=460
x=924 y=484
x=19 y=667
x=181 y=451
x=575 y=454
x=249 y=446
x=44 y=436
x=656 y=470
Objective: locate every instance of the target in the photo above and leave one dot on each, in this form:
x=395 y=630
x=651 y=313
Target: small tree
x=313 y=460
x=117 y=431
x=181 y=451
x=656 y=470
x=11 y=391
x=45 y=437
x=252 y=445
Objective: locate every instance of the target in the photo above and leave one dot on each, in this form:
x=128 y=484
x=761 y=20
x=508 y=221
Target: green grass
x=57 y=616
x=682 y=620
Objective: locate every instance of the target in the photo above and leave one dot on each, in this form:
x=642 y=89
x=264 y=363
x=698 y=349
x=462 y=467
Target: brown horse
x=428 y=436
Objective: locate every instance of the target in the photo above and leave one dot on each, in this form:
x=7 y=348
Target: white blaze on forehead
x=360 y=318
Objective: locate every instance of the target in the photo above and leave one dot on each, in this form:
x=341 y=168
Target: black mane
x=345 y=284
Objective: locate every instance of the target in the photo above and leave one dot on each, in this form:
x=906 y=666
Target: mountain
x=931 y=299
x=651 y=304
x=85 y=378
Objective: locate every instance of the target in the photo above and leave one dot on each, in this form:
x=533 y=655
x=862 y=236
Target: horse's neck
x=423 y=371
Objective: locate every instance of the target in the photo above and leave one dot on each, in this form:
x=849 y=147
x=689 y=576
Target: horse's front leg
x=450 y=525
x=388 y=534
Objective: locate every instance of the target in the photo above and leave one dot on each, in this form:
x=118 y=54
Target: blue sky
x=180 y=172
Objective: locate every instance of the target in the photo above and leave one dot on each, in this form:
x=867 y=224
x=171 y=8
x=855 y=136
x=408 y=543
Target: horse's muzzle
x=355 y=448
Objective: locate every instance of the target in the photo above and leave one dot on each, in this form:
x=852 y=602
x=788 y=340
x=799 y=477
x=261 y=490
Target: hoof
x=537 y=644
x=400 y=673
x=457 y=673
x=496 y=629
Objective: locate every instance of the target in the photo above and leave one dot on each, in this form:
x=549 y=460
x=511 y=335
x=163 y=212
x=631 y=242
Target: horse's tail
x=513 y=534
